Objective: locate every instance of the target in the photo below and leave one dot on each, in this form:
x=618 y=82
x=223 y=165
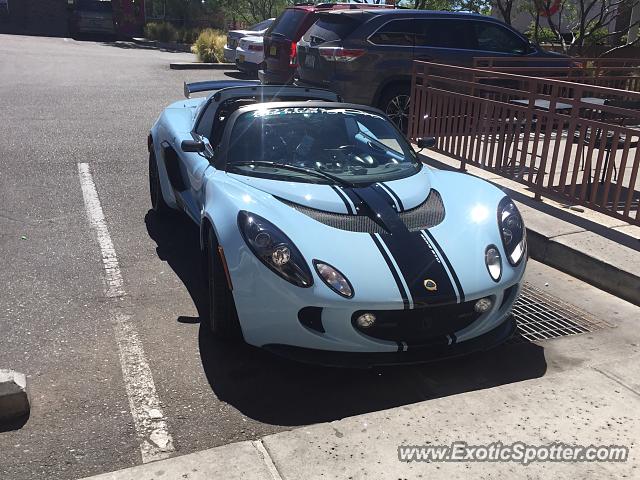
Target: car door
x=495 y=40
x=444 y=40
x=195 y=165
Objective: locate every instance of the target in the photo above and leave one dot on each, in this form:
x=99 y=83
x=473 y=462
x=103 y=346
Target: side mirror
x=427 y=142
x=196 y=146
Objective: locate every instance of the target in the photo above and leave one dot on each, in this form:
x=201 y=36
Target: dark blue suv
x=366 y=55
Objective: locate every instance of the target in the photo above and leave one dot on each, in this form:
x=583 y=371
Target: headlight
x=274 y=249
x=512 y=231
x=334 y=279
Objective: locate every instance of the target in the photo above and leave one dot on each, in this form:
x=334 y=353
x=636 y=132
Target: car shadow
x=277 y=391
x=178 y=244
x=238 y=75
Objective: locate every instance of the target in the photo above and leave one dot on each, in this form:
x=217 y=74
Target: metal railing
x=563 y=139
x=622 y=73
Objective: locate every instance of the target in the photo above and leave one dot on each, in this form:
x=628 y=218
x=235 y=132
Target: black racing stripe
x=343 y=197
x=415 y=258
x=456 y=280
x=351 y=196
x=392 y=269
x=394 y=196
x=387 y=196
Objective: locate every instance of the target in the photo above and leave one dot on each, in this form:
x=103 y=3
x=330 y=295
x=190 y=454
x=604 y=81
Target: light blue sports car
x=325 y=238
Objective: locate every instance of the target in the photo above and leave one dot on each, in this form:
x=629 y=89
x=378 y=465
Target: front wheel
x=222 y=315
x=395 y=103
x=155 y=190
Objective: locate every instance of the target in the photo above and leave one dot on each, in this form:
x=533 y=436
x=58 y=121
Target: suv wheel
x=395 y=103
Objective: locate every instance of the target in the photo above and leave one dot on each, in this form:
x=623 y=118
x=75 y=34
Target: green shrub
x=209 y=46
x=161 y=31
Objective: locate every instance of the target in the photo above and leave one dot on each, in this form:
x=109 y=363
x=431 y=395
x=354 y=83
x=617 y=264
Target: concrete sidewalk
x=591 y=406
x=586 y=244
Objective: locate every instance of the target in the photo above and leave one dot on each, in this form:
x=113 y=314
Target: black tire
x=395 y=103
x=158 y=204
x=221 y=312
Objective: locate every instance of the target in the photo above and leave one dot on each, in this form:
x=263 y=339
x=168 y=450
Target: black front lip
x=414 y=355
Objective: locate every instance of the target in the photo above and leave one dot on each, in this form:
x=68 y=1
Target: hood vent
x=350 y=223
x=426 y=215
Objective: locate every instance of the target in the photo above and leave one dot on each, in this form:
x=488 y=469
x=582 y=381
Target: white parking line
x=151 y=426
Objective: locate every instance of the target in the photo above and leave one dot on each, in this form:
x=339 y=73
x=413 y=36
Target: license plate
x=273 y=51
x=241 y=58
x=310 y=61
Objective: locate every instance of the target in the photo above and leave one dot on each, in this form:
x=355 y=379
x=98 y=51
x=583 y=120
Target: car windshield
x=350 y=145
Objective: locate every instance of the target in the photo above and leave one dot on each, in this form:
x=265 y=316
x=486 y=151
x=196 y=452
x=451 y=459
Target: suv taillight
x=255 y=48
x=293 y=55
x=340 y=54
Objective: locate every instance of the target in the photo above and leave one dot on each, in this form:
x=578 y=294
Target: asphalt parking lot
x=65 y=103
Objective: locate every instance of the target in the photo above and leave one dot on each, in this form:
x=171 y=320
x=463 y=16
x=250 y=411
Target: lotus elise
x=325 y=238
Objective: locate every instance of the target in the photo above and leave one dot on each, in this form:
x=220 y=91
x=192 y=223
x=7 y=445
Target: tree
x=577 y=24
x=505 y=7
x=253 y=11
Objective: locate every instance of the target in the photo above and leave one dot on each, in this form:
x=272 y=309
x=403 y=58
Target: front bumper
x=274 y=314
x=423 y=354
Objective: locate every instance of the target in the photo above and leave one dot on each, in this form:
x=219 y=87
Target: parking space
x=67 y=104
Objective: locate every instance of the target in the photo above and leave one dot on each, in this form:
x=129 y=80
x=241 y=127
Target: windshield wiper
x=311 y=171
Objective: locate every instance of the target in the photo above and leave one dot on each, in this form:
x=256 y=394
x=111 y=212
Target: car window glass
x=287 y=23
x=329 y=28
x=359 y=146
x=205 y=124
x=495 y=38
x=385 y=135
x=444 y=33
x=396 y=32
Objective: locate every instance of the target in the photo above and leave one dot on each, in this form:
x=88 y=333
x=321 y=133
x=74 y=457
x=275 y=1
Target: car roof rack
x=213 y=85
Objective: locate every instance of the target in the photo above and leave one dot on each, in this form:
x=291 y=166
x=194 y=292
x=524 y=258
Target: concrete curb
x=601 y=274
x=178 y=47
x=201 y=66
x=14 y=399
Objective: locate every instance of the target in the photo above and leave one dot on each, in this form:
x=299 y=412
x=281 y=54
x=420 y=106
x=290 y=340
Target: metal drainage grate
x=541 y=316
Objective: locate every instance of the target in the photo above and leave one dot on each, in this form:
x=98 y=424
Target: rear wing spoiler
x=214 y=85
x=242 y=88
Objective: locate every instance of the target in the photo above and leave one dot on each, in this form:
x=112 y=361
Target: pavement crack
x=268 y=460
x=611 y=376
